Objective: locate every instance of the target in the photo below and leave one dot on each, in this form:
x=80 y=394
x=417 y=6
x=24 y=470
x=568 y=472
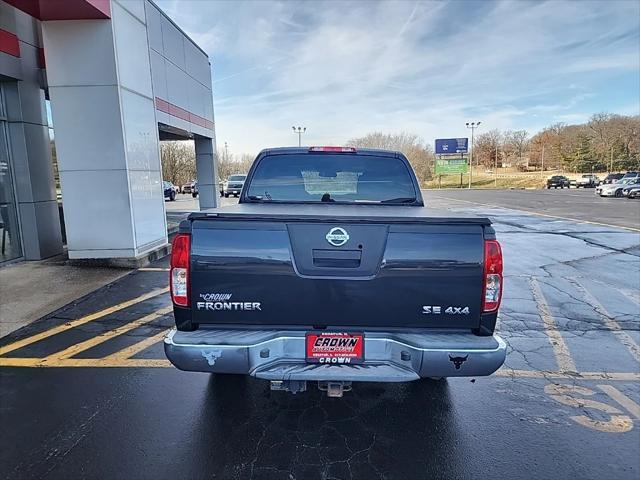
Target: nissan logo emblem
x=337 y=236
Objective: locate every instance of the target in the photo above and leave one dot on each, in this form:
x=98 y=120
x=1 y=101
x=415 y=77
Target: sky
x=344 y=69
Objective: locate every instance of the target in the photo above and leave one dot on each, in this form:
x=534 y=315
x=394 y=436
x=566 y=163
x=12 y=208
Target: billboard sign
x=446 y=166
x=451 y=146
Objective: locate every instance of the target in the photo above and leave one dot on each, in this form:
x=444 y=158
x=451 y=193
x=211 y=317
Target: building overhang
x=64 y=10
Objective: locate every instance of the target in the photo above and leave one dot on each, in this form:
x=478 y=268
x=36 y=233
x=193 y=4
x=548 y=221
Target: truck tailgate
x=387 y=274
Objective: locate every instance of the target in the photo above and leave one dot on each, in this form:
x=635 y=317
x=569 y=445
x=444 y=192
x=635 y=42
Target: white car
x=615 y=189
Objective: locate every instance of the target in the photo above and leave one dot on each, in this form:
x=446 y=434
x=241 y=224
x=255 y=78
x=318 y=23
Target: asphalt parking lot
x=87 y=392
x=577 y=204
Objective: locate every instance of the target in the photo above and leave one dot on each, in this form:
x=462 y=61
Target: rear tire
x=172 y=197
x=226 y=195
x=618 y=193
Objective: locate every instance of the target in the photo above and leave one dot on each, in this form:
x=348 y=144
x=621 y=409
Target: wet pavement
x=87 y=392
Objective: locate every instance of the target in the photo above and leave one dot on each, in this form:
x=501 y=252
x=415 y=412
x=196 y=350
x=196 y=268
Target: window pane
x=10 y=246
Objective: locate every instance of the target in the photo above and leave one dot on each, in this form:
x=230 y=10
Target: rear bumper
x=389 y=357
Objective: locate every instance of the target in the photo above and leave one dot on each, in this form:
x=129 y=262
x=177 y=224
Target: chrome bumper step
x=279 y=355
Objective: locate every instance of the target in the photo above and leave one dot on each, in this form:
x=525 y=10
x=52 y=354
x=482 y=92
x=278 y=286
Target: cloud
x=343 y=69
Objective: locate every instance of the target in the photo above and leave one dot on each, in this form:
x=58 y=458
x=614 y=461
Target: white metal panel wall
x=140 y=124
x=132 y=51
x=181 y=76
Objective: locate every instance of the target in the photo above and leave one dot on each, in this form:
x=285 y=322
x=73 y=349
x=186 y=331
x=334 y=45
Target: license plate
x=334 y=348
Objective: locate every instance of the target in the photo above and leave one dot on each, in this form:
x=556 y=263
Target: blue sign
x=451 y=146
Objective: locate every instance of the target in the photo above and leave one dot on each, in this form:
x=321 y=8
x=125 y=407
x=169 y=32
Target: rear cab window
x=339 y=178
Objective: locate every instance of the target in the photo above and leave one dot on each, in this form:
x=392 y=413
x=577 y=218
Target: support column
x=206 y=165
x=106 y=136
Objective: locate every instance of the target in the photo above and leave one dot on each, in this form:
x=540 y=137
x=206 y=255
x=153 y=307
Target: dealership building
x=119 y=77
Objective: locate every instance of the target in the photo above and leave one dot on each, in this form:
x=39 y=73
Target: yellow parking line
x=560 y=348
x=611 y=324
x=533 y=212
x=131 y=350
x=80 y=321
x=632 y=407
x=618 y=376
x=84 y=362
x=103 y=337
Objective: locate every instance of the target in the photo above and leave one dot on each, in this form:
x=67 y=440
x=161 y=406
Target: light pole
x=495 y=174
x=226 y=152
x=472 y=126
x=299 y=131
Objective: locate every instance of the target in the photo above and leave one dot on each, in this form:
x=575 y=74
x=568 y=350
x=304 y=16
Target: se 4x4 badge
x=437 y=310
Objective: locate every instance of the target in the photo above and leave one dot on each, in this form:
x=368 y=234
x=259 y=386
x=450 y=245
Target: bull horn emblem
x=458 y=361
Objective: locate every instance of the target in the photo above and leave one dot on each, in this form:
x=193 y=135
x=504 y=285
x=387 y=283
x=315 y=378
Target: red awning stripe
x=175 y=111
x=9 y=43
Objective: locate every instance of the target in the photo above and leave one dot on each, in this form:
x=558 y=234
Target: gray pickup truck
x=331 y=269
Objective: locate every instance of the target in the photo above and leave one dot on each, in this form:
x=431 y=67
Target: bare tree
x=230 y=164
x=604 y=134
x=486 y=147
x=178 y=159
x=419 y=154
x=516 y=143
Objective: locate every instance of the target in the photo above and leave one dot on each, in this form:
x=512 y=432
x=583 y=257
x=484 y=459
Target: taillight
x=179 y=273
x=333 y=149
x=492 y=290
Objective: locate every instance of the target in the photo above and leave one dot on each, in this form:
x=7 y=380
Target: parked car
x=587 y=181
x=629 y=183
x=194 y=190
x=557 y=181
x=233 y=185
x=631 y=175
x=626 y=191
x=169 y=190
x=611 y=178
x=188 y=187
x=320 y=273
x=616 y=189
x=634 y=192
